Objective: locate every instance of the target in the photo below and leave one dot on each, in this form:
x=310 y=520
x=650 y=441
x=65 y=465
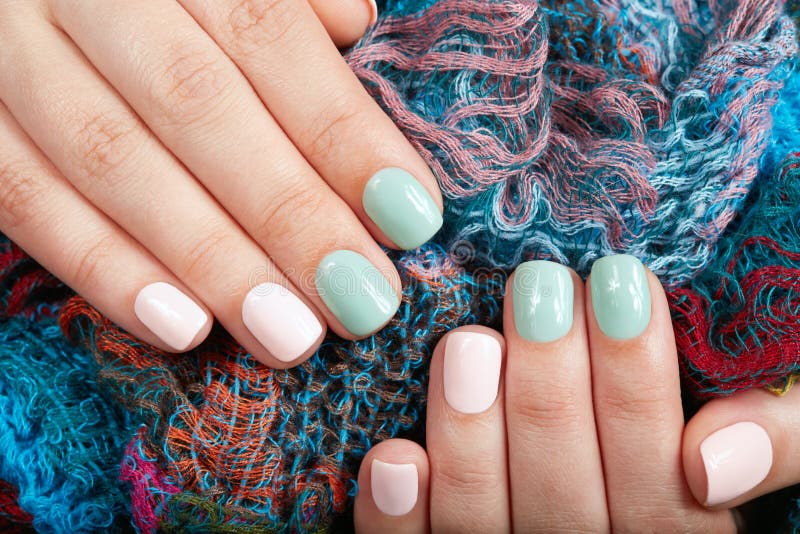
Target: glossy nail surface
x=355 y=292
x=394 y=487
x=373 y=12
x=280 y=321
x=170 y=314
x=620 y=296
x=542 y=298
x=401 y=207
x=736 y=458
x=471 y=371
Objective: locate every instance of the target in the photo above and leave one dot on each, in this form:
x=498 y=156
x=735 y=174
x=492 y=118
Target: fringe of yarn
x=60 y=438
x=570 y=130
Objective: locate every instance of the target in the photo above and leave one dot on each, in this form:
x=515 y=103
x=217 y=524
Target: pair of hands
x=571 y=420
x=175 y=161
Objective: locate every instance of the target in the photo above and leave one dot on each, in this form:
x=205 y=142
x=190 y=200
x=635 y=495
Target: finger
x=637 y=401
x=393 y=489
x=42 y=213
x=201 y=107
x=741 y=447
x=100 y=145
x=284 y=51
x=346 y=21
x=548 y=404
x=466 y=433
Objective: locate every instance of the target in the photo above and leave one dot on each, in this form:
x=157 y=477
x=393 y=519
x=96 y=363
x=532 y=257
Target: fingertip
x=393 y=488
x=734 y=449
x=346 y=20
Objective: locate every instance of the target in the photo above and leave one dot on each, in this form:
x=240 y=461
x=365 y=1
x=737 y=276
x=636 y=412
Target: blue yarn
x=61 y=438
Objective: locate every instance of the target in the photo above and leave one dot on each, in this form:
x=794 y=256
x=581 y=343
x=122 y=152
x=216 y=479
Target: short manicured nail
x=620 y=296
x=280 y=321
x=394 y=487
x=170 y=314
x=373 y=12
x=737 y=458
x=471 y=371
x=355 y=292
x=401 y=207
x=542 y=298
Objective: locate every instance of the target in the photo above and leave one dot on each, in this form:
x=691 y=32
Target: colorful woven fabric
x=561 y=129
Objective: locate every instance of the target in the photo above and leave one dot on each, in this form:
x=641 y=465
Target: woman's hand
x=572 y=421
x=177 y=160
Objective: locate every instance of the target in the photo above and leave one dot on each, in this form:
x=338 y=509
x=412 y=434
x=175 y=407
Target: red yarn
x=13 y=519
x=758 y=346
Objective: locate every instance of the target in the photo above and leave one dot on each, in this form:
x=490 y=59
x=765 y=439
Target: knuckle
x=340 y=119
x=20 y=185
x=467 y=479
x=632 y=406
x=104 y=142
x=557 y=412
x=86 y=266
x=193 y=85
x=255 y=24
x=200 y=261
x=297 y=202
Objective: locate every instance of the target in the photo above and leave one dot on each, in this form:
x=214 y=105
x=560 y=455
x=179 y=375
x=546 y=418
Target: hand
x=572 y=421
x=173 y=161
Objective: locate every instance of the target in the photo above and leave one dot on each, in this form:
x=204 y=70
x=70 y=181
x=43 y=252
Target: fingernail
x=169 y=314
x=401 y=207
x=373 y=10
x=471 y=371
x=280 y=321
x=736 y=458
x=542 y=298
x=620 y=296
x=394 y=487
x=355 y=292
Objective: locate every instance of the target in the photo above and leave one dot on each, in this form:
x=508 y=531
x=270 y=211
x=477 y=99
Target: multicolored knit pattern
x=561 y=129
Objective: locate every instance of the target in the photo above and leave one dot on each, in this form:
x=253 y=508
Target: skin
x=592 y=433
x=210 y=144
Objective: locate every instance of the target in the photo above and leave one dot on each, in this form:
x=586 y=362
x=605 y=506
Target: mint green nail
x=355 y=292
x=620 y=296
x=542 y=298
x=401 y=207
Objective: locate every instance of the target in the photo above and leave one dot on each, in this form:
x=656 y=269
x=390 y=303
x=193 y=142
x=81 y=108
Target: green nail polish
x=355 y=292
x=401 y=207
x=620 y=296
x=542 y=298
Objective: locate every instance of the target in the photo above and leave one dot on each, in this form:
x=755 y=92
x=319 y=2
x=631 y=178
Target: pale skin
x=206 y=144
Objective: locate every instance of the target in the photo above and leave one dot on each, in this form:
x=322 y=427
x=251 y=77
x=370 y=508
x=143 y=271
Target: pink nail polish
x=471 y=371
x=170 y=314
x=394 y=487
x=373 y=12
x=281 y=322
x=737 y=458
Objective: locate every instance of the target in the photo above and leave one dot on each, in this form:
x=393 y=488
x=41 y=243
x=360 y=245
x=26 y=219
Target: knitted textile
x=561 y=129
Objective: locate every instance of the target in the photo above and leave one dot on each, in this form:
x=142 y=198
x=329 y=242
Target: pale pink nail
x=394 y=487
x=280 y=321
x=373 y=8
x=471 y=371
x=737 y=458
x=170 y=314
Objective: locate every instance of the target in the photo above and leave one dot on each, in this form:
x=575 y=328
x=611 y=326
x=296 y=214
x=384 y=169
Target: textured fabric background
x=561 y=129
